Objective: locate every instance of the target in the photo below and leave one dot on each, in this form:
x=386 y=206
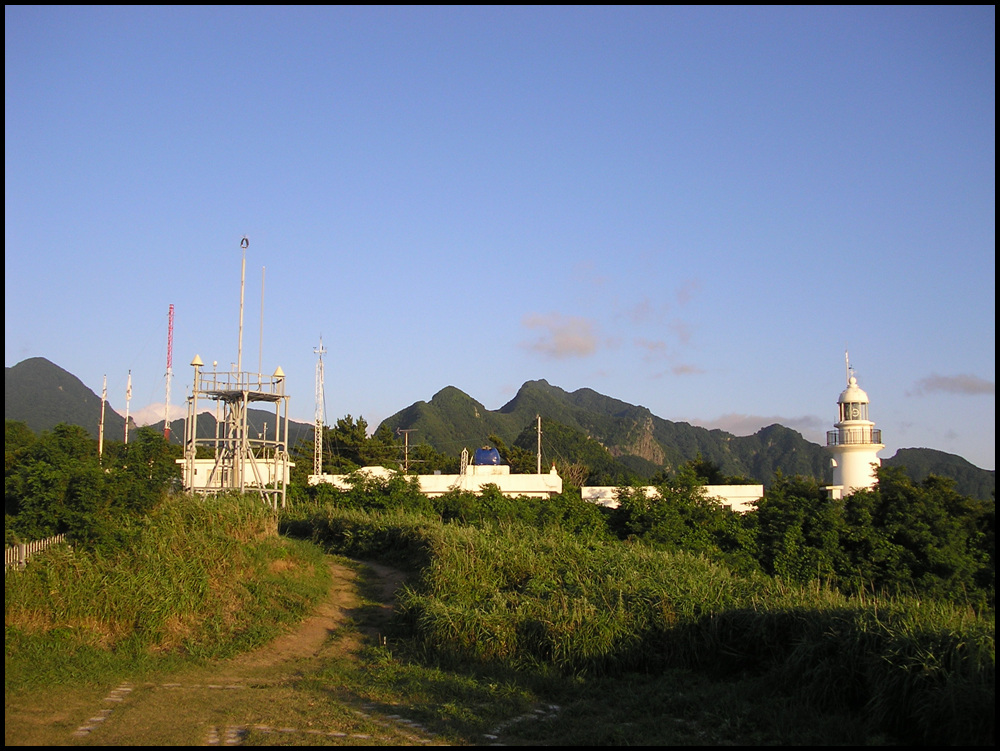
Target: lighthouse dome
x=853 y=394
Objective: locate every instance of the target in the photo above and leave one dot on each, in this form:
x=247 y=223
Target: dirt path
x=250 y=699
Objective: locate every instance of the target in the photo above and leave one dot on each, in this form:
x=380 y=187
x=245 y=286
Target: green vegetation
x=196 y=577
x=970 y=480
x=56 y=483
x=532 y=598
x=857 y=621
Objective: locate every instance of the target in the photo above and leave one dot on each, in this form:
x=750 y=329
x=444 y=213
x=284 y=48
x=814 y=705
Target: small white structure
x=739 y=498
x=854 y=444
x=209 y=476
x=477 y=476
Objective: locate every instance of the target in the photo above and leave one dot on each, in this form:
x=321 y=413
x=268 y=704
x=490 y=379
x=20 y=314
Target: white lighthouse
x=855 y=443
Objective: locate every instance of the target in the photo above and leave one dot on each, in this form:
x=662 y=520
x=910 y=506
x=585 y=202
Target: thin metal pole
x=100 y=429
x=244 y=244
x=128 y=401
x=539 y=417
x=260 y=348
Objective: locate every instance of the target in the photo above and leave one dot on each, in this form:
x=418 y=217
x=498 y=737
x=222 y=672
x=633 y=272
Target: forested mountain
x=42 y=395
x=625 y=440
x=617 y=442
x=969 y=479
x=620 y=441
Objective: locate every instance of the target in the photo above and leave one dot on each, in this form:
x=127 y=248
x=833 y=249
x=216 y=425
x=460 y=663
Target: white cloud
x=561 y=337
x=654 y=350
x=686 y=369
x=686 y=291
x=969 y=385
x=153 y=413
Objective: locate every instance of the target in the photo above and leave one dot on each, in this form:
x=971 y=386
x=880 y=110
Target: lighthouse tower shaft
x=854 y=444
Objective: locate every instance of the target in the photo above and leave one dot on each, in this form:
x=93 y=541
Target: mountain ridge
x=42 y=395
x=626 y=441
x=639 y=443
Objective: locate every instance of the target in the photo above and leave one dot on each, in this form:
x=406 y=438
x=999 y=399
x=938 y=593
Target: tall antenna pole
x=539 y=418
x=320 y=412
x=170 y=371
x=260 y=347
x=100 y=426
x=244 y=244
x=128 y=401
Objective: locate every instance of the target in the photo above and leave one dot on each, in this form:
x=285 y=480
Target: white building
x=485 y=470
x=739 y=498
x=854 y=444
x=212 y=476
x=473 y=480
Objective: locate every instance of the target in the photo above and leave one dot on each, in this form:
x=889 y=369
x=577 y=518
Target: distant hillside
x=636 y=441
x=258 y=421
x=618 y=440
x=969 y=479
x=42 y=395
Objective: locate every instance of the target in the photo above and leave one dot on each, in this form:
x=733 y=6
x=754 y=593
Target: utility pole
x=406 y=446
x=128 y=401
x=100 y=426
x=539 y=418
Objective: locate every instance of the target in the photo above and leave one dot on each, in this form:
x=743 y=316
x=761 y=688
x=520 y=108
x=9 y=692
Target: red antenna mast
x=170 y=371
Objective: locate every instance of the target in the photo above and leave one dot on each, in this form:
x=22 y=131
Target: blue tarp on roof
x=486 y=455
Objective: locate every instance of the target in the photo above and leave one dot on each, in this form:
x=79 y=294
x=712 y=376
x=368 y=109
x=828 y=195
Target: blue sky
x=693 y=209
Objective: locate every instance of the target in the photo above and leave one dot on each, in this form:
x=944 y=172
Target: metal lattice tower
x=236 y=456
x=241 y=458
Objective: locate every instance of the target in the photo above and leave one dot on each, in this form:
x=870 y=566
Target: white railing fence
x=16 y=556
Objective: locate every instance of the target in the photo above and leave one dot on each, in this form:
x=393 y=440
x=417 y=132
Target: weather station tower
x=238 y=455
x=855 y=443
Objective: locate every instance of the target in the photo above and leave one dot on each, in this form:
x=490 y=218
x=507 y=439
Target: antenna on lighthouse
x=170 y=371
x=320 y=412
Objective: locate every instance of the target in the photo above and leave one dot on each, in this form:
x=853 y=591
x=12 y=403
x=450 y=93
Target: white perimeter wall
x=739 y=498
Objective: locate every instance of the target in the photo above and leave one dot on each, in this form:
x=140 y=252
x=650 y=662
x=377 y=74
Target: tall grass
x=534 y=598
x=202 y=576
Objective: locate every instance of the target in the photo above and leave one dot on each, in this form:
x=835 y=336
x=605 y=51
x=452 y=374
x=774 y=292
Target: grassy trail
x=254 y=699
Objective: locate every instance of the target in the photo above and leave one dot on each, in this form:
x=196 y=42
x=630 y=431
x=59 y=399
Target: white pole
x=100 y=427
x=260 y=347
x=539 y=444
x=244 y=244
x=128 y=401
